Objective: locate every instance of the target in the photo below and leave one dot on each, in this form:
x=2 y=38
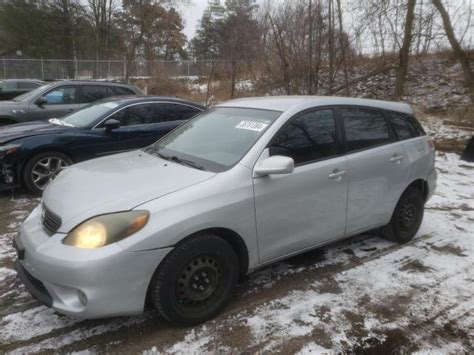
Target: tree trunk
x=347 y=91
x=331 y=54
x=461 y=55
x=405 y=52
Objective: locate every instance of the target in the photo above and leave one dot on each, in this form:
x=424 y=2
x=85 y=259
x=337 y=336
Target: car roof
x=127 y=99
x=89 y=82
x=24 y=80
x=285 y=103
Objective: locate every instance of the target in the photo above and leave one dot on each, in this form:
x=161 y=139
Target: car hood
x=27 y=129
x=115 y=183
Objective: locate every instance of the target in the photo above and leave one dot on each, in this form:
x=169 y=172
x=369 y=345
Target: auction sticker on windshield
x=252 y=125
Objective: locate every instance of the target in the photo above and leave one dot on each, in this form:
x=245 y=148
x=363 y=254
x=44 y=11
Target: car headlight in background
x=8 y=149
x=106 y=229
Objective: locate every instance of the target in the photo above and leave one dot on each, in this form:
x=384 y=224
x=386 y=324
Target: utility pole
x=310 y=85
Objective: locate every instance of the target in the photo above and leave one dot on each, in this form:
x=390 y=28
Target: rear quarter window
x=120 y=91
x=404 y=125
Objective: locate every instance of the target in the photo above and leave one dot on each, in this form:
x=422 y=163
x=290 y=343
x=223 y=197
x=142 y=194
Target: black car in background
x=33 y=153
x=11 y=88
x=59 y=98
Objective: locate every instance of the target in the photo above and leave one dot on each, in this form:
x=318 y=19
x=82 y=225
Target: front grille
x=51 y=222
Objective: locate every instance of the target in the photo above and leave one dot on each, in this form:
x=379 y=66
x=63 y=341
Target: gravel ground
x=361 y=295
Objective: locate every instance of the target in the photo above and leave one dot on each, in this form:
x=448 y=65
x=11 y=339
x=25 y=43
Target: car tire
x=195 y=281
x=407 y=217
x=33 y=164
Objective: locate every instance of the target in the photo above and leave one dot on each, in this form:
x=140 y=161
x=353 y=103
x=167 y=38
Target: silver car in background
x=242 y=185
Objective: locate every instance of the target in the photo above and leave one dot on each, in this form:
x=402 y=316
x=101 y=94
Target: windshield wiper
x=175 y=159
x=190 y=163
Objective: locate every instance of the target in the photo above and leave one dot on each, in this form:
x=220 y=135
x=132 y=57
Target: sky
x=192 y=14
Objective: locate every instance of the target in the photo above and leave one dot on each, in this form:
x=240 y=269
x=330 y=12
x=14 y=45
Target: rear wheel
x=40 y=170
x=195 y=280
x=407 y=217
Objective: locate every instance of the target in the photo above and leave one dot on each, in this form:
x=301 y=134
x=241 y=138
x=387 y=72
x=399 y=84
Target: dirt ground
x=362 y=295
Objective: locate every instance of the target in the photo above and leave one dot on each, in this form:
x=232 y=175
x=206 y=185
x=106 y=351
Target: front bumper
x=84 y=283
x=8 y=177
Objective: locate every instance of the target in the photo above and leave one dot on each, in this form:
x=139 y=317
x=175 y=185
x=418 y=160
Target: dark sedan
x=33 y=153
x=11 y=88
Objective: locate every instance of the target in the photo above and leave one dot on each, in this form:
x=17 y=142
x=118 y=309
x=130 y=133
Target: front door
x=307 y=207
x=60 y=101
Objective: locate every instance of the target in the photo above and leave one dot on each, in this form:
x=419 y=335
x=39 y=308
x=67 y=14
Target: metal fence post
x=4 y=69
x=188 y=67
x=42 y=69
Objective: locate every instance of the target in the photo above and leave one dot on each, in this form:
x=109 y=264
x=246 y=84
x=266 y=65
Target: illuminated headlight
x=8 y=149
x=106 y=229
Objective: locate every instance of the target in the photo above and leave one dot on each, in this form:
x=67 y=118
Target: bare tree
x=461 y=55
x=405 y=52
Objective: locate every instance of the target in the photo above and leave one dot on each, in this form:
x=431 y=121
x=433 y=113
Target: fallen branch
x=384 y=68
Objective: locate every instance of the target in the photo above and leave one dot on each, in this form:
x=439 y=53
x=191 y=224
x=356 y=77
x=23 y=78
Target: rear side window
x=91 y=93
x=166 y=112
x=402 y=125
x=119 y=91
x=308 y=137
x=364 y=128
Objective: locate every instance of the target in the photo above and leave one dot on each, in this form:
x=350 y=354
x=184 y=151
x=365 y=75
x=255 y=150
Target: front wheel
x=407 y=217
x=40 y=170
x=195 y=280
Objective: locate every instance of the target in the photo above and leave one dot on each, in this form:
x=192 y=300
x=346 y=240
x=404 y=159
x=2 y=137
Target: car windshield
x=216 y=139
x=87 y=116
x=33 y=93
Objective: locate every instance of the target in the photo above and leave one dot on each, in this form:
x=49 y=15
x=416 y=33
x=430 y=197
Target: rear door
x=60 y=101
x=378 y=168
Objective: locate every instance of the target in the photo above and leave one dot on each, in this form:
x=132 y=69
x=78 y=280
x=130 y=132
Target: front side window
x=308 y=137
x=9 y=86
x=135 y=115
x=166 y=112
x=64 y=95
x=364 y=128
x=216 y=139
x=91 y=93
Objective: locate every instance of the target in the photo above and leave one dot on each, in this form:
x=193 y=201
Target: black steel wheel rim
x=408 y=214
x=198 y=280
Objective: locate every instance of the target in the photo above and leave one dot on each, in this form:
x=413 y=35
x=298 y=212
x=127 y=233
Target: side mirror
x=40 y=101
x=111 y=124
x=277 y=164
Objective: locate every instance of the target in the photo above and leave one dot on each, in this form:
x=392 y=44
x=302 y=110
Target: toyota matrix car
x=242 y=185
x=33 y=153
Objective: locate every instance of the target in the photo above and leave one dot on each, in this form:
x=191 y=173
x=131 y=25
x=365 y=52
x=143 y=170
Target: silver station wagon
x=242 y=185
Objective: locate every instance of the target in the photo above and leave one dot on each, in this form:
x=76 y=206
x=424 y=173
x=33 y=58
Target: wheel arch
x=420 y=185
x=34 y=152
x=234 y=239
x=8 y=120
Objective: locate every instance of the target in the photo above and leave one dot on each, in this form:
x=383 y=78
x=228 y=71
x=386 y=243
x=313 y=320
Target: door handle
x=337 y=174
x=396 y=159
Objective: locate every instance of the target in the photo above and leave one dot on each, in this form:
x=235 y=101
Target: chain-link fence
x=52 y=69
